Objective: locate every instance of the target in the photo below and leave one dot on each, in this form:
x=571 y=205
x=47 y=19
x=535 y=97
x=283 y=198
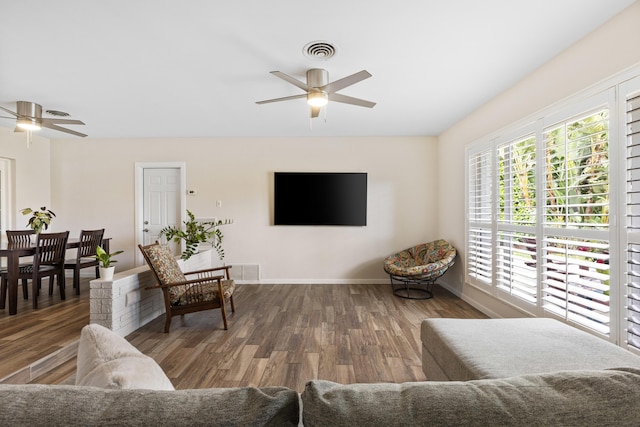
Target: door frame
x=7 y=194
x=139 y=197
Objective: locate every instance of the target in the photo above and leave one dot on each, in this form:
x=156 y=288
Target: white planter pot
x=107 y=273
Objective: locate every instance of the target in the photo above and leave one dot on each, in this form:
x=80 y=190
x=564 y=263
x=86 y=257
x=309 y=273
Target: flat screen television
x=320 y=198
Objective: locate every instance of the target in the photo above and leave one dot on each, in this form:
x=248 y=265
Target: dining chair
x=89 y=241
x=48 y=261
x=20 y=238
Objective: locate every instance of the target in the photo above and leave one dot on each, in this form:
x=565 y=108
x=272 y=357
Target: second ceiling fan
x=319 y=90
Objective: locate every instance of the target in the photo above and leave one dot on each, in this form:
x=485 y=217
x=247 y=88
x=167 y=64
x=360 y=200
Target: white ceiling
x=195 y=68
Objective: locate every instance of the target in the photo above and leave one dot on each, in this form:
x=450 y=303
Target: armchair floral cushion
x=167 y=268
x=207 y=291
x=424 y=261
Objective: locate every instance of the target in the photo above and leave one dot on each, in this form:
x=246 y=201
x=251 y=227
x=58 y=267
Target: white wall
x=32 y=169
x=603 y=53
x=93 y=186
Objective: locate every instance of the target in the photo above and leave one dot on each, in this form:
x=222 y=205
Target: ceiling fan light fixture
x=28 y=123
x=317 y=99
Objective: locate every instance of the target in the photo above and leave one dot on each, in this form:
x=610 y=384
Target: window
x=516 y=240
x=575 y=278
x=479 y=235
x=630 y=93
x=541 y=241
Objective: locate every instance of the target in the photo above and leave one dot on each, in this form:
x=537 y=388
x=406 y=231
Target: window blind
x=575 y=280
x=479 y=233
x=516 y=265
x=516 y=262
x=575 y=246
x=577 y=173
x=633 y=222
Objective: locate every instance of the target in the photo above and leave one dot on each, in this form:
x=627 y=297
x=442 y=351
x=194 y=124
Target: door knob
x=146 y=230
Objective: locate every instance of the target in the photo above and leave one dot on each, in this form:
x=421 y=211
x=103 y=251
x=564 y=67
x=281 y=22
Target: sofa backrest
x=67 y=405
x=572 y=398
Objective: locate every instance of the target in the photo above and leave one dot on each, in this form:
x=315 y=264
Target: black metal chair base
x=405 y=287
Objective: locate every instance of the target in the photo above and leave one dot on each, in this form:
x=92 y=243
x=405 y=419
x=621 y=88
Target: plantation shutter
x=575 y=246
x=516 y=240
x=479 y=237
x=633 y=222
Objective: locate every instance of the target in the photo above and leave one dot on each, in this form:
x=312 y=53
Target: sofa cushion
x=572 y=398
x=52 y=406
x=109 y=361
x=469 y=349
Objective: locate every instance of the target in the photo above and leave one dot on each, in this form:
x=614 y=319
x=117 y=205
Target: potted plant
x=105 y=261
x=196 y=232
x=39 y=218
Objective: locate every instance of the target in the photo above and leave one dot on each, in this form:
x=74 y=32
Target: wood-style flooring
x=279 y=335
x=38 y=337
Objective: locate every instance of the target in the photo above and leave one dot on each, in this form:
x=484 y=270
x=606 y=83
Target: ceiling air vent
x=57 y=113
x=319 y=50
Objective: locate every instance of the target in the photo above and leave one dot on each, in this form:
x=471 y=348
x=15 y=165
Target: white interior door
x=161 y=206
x=160 y=194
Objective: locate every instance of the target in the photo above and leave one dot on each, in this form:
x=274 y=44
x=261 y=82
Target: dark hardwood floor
x=279 y=335
x=33 y=335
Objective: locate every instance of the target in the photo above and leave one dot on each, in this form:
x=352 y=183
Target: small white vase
x=106 y=273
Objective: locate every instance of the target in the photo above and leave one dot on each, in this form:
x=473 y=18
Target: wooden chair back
x=50 y=249
x=19 y=238
x=89 y=241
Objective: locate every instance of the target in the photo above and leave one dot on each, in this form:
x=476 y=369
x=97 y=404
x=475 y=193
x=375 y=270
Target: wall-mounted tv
x=320 y=198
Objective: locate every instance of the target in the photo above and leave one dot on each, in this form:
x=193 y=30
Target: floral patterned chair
x=413 y=271
x=188 y=292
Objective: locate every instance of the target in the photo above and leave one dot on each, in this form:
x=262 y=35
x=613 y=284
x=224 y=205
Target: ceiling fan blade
x=346 y=81
x=9 y=111
x=286 y=98
x=315 y=112
x=291 y=80
x=350 y=100
x=62 y=121
x=61 y=129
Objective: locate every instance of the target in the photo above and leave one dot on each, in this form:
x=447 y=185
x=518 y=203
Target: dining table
x=13 y=253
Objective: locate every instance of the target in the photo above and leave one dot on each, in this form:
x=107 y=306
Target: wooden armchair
x=191 y=291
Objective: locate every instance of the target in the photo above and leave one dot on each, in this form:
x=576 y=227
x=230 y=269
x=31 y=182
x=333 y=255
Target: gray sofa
x=472 y=349
x=117 y=385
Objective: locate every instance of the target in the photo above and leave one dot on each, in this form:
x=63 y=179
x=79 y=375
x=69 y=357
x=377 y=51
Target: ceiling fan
x=319 y=91
x=28 y=117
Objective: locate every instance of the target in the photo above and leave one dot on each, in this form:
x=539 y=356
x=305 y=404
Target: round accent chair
x=413 y=271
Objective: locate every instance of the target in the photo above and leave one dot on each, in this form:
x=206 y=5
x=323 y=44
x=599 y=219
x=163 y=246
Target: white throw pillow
x=107 y=360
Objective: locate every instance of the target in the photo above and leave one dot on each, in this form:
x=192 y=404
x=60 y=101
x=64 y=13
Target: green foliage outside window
x=577 y=173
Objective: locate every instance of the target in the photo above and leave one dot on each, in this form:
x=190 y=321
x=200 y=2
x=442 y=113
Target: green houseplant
x=196 y=232
x=105 y=261
x=39 y=218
